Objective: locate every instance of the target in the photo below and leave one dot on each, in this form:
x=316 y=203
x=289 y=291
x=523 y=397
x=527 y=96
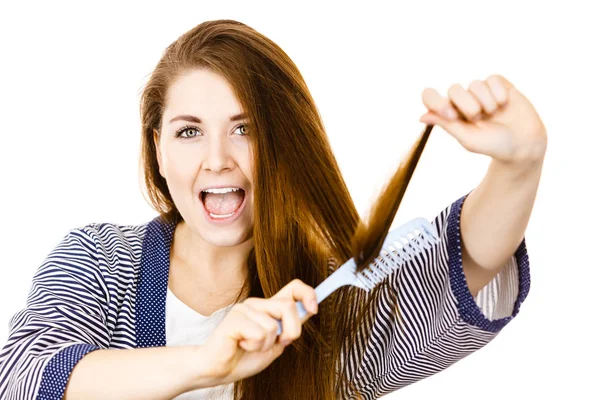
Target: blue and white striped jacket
x=104 y=286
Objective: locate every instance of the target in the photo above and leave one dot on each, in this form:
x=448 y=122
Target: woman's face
x=200 y=148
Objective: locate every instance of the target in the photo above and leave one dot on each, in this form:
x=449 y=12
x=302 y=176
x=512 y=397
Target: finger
x=505 y=82
x=483 y=94
x=259 y=314
x=464 y=102
x=279 y=309
x=300 y=291
x=459 y=129
x=499 y=88
x=438 y=104
x=249 y=332
x=290 y=322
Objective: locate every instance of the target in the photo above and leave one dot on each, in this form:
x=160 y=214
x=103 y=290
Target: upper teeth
x=221 y=190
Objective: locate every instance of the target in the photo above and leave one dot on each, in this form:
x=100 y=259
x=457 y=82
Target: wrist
x=516 y=171
x=203 y=372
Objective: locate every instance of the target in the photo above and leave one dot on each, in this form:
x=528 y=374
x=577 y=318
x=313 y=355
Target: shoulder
x=106 y=246
x=109 y=234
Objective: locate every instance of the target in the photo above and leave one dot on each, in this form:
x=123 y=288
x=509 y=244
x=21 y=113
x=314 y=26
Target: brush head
x=401 y=244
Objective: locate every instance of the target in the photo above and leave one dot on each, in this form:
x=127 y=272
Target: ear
x=158 y=154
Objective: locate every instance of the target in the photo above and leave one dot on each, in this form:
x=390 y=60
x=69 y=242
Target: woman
x=254 y=213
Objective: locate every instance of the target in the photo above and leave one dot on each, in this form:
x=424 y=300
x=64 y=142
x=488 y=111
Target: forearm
x=494 y=218
x=148 y=373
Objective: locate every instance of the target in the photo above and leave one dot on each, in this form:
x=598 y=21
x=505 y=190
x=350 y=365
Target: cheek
x=246 y=162
x=249 y=175
x=180 y=167
x=248 y=170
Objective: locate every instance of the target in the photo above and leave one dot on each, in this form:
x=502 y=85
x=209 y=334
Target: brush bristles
x=399 y=247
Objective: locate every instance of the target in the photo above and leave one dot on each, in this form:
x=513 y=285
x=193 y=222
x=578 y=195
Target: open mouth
x=223 y=203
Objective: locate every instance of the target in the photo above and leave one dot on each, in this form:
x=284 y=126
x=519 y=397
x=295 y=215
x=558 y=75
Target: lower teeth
x=217 y=216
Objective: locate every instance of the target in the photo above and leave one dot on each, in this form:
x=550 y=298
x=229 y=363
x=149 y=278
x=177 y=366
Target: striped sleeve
x=427 y=319
x=63 y=320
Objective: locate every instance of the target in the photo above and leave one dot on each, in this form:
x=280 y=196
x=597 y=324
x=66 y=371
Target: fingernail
x=450 y=113
x=313 y=306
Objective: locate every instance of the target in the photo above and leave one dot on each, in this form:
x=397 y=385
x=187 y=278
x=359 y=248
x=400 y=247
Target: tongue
x=224 y=203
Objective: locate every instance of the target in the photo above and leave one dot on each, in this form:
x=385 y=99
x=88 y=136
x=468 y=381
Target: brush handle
x=342 y=276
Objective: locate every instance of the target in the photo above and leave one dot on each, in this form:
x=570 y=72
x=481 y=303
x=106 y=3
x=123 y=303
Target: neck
x=225 y=266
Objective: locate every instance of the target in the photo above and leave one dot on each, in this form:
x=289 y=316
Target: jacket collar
x=150 y=309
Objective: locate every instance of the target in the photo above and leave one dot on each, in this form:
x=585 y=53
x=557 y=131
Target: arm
x=494 y=218
x=425 y=319
x=149 y=373
x=62 y=338
x=428 y=318
x=498 y=121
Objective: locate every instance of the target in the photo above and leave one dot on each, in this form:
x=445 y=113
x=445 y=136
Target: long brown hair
x=305 y=222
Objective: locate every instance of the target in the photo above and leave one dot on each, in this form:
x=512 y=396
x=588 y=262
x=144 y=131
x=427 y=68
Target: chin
x=226 y=238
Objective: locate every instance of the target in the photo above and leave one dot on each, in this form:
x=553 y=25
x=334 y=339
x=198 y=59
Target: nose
x=218 y=154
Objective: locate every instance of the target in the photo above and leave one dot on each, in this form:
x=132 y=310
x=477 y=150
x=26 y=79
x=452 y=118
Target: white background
x=70 y=131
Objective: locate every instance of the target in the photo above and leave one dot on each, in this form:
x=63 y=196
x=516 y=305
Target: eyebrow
x=192 y=118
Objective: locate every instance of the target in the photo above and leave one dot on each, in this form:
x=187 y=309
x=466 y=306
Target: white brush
x=400 y=245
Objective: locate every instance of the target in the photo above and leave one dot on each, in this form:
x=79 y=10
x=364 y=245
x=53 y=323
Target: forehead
x=202 y=92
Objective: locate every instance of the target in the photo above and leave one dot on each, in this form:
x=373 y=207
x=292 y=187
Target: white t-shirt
x=184 y=326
